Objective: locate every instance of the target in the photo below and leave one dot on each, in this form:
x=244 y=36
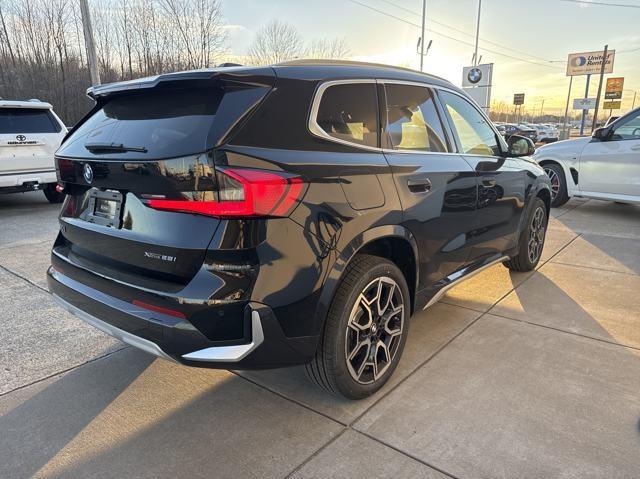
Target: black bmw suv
x=295 y=214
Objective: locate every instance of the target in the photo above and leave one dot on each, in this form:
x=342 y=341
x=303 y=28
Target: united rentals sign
x=589 y=63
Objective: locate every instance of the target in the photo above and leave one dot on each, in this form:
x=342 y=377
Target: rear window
x=27 y=120
x=167 y=123
x=349 y=112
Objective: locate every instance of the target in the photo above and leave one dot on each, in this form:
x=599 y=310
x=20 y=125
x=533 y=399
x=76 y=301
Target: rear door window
x=349 y=112
x=167 y=123
x=413 y=122
x=27 y=120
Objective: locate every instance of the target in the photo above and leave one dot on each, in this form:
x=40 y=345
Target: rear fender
x=345 y=257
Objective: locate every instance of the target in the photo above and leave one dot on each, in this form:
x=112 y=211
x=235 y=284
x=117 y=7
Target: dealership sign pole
x=602 y=68
x=588 y=63
x=566 y=111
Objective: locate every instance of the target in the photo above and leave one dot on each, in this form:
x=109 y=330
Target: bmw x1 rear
x=247 y=218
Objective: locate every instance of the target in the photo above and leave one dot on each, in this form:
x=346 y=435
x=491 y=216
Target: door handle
x=422 y=185
x=635 y=148
x=490 y=182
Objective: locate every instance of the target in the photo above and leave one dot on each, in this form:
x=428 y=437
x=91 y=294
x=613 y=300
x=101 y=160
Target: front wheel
x=559 y=194
x=365 y=330
x=531 y=239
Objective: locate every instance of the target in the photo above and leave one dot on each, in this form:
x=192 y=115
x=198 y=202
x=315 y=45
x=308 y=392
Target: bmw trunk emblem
x=87 y=173
x=474 y=75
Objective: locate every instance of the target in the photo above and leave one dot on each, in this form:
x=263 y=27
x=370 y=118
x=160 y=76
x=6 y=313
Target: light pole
x=89 y=43
x=424 y=19
x=475 y=53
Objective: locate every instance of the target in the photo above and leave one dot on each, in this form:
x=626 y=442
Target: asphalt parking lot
x=509 y=375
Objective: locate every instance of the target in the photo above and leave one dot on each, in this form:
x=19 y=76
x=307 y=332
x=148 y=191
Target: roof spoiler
x=226 y=71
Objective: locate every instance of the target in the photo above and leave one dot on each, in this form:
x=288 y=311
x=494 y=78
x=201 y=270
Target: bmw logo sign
x=87 y=173
x=474 y=75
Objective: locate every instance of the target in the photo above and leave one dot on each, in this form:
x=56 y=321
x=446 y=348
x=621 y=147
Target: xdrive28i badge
x=87 y=173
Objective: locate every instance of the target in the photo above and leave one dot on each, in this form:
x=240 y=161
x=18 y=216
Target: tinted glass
x=167 y=123
x=629 y=129
x=476 y=136
x=27 y=120
x=412 y=119
x=349 y=112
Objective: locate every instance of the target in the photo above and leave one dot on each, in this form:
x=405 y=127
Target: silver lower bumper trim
x=231 y=354
x=124 y=336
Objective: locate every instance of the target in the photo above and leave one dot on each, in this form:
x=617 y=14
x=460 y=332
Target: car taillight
x=241 y=193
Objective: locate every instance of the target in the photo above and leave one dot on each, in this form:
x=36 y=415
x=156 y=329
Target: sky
x=538 y=31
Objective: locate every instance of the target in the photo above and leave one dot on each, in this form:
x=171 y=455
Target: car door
x=436 y=186
x=612 y=167
x=501 y=180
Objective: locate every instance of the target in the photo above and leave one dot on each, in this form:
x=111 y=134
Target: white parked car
x=546 y=134
x=30 y=133
x=604 y=166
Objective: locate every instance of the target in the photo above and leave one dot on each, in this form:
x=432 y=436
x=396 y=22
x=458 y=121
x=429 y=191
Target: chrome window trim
x=317 y=131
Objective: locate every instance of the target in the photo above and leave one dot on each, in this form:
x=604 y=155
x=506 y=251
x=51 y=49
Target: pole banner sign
x=612 y=105
x=589 y=63
x=614 y=88
x=584 y=103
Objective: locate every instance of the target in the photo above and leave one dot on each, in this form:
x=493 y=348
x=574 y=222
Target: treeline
x=42 y=52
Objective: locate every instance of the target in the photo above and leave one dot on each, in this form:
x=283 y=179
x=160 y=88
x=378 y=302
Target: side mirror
x=602 y=134
x=520 y=146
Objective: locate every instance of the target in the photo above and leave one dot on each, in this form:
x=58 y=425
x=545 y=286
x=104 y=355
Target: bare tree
x=200 y=30
x=327 y=48
x=275 y=42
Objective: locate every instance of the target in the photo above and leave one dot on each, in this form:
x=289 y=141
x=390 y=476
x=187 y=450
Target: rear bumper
x=176 y=339
x=26 y=181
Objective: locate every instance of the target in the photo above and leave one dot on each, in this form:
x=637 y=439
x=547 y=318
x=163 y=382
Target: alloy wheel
x=536 y=235
x=374 y=330
x=555 y=182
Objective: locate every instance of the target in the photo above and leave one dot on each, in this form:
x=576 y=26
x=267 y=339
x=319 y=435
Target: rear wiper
x=113 y=147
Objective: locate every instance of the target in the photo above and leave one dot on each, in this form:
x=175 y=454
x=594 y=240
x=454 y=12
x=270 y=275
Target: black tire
x=559 y=195
x=52 y=195
x=331 y=368
x=533 y=233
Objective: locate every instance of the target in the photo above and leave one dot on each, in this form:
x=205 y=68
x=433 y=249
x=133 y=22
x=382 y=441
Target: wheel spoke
x=383 y=300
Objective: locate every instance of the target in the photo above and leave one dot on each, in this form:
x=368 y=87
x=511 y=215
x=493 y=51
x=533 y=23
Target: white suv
x=30 y=133
x=605 y=166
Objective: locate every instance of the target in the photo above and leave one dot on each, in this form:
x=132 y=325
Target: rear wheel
x=559 y=195
x=52 y=194
x=365 y=330
x=531 y=239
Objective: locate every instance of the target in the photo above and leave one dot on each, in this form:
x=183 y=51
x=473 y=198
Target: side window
x=349 y=112
x=628 y=130
x=476 y=136
x=412 y=119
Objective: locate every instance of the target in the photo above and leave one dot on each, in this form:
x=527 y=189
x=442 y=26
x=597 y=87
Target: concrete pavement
x=509 y=375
